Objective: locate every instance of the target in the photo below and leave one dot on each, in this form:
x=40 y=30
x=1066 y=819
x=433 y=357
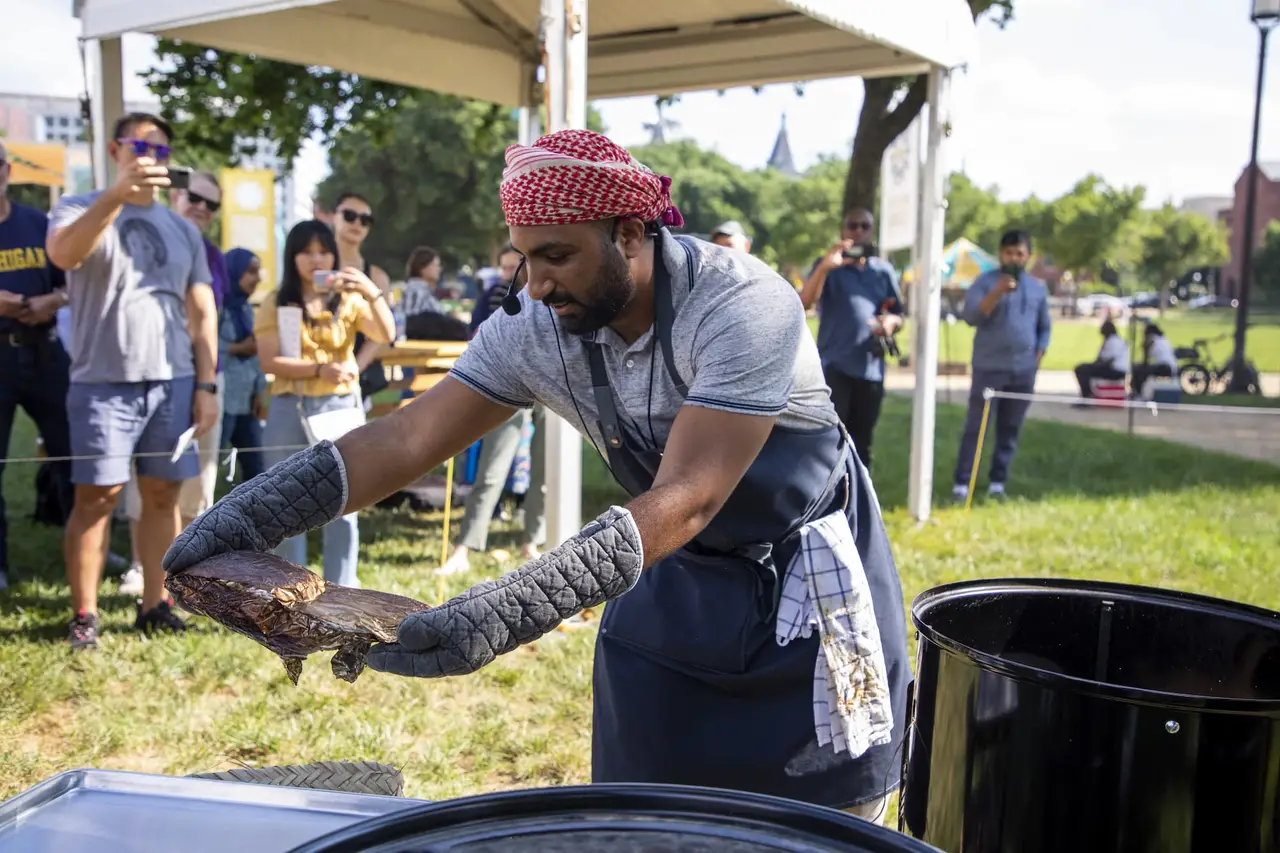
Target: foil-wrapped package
x=290 y=610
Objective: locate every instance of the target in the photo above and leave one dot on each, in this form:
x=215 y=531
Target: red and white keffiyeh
x=581 y=176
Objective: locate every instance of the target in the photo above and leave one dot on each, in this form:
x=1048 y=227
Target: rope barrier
x=163 y=453
x=1148 y=405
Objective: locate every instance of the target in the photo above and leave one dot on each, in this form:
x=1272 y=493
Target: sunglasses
x=862 y=225
x=210 y=204
x=366 y=219
x=142 y=148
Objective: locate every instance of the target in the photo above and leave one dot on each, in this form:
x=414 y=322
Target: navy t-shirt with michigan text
x=24 y=269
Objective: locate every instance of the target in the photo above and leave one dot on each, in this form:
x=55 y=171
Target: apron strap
x=610 y=426
x=664 y=310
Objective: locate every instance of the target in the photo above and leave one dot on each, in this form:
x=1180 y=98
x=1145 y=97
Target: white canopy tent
x=526 y=52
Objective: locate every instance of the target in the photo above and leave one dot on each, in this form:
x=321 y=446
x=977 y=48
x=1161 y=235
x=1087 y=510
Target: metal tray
x=111 y=811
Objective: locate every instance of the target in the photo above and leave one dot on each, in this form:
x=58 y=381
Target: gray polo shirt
x=739 y=339
x=129 y=297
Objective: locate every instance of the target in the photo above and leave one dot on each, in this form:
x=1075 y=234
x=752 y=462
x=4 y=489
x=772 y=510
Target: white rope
x=1146 y=405
x=164 y=453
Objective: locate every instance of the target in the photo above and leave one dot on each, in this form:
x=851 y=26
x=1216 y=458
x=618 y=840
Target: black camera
x=859 y=251
x=882 y=347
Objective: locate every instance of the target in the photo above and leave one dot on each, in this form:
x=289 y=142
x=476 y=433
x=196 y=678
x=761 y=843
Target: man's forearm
x=392 y=451
x=72 y=243
x=813 y=287
x=202 y=325
x=668 y=517
x=990 y=302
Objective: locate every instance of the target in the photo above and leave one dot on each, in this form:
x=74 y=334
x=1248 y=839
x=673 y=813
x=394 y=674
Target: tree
x=225 y=102
x=707 y=188
x=1175 y=241
x=974 y=213
x=1080 y=229
x=889 y=105
x=798 y=218
x=431 y=179
x=1266 y=264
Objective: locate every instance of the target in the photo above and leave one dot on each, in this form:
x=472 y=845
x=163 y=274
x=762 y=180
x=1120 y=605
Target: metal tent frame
x=524 y=53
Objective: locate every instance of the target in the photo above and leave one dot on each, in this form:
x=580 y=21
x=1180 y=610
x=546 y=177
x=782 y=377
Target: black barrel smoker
x=1054 y=716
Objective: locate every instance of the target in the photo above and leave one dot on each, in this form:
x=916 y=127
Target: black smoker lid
x=620 y=818
x=1203 y=638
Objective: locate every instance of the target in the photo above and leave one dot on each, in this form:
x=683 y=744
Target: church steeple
x=780 y=159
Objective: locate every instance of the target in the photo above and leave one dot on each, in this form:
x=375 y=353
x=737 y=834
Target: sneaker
x=995 y=490
x=959 y=493
x=4 y=579
x=458 y=562
x=159 y=618
x=84 y=632
x=131 y=581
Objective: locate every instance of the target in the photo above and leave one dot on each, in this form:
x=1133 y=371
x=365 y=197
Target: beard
x=613 y=291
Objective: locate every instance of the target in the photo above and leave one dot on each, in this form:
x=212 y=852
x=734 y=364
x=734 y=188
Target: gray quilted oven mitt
x=599 y=564
x=305 y=491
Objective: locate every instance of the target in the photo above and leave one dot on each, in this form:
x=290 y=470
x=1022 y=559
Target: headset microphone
x=511 y=302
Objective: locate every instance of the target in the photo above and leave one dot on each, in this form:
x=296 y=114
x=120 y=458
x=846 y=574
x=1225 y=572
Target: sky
x=1151 y=92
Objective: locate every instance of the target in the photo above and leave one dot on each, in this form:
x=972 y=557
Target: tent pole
x=564 y=38
x=928 y=302
x=107 y=100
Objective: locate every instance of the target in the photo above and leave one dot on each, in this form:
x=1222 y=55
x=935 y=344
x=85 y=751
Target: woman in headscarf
x=244 y=404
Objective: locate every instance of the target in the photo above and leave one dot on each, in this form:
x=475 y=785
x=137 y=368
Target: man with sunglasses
x=860 y=308
x=33 y=364
x=143 y=353
x=198 y=205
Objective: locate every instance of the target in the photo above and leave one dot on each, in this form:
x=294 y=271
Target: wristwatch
x=208 y=387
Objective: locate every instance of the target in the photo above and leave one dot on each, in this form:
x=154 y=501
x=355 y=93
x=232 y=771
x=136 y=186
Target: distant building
x=781 y=159
x=1211 y=207
x=49 y=118
x=1268 y=211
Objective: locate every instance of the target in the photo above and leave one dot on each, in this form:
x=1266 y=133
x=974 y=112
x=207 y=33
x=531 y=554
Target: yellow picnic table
x=429 y=360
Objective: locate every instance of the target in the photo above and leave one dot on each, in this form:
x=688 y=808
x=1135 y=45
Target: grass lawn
x=1089 y=504
x=1077 y=340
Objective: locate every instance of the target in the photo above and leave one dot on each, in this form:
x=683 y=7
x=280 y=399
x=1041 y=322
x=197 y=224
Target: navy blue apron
x=690 y=684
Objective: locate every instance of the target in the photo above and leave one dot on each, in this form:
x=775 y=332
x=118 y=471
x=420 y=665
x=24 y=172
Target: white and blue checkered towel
x=826 y=587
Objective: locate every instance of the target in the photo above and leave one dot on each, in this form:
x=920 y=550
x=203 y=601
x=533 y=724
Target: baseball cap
x=732 y=228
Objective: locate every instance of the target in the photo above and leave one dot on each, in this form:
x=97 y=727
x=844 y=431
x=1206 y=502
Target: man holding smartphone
x=143 y=353
x=1010 y=310
x=861 y=309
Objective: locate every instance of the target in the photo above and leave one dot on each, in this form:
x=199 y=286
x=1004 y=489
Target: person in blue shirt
x=1010 y=310
x=34 y=367
x=860 y=308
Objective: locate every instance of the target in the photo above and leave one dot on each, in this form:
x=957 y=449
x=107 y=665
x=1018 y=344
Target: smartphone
x=323 y=280
x=859 y=250
x=179 y=177
x=1012 y=270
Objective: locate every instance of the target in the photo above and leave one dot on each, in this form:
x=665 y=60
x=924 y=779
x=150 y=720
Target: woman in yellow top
x=317 y=373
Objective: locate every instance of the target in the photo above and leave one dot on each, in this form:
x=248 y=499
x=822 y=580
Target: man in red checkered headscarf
x=752 y=639
x=580 y=204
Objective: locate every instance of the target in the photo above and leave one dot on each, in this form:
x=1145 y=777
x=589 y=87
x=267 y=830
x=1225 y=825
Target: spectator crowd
x=131 y=341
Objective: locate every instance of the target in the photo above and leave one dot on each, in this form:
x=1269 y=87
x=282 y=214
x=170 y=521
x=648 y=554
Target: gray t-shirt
x=128 y=298
x=739 y=339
